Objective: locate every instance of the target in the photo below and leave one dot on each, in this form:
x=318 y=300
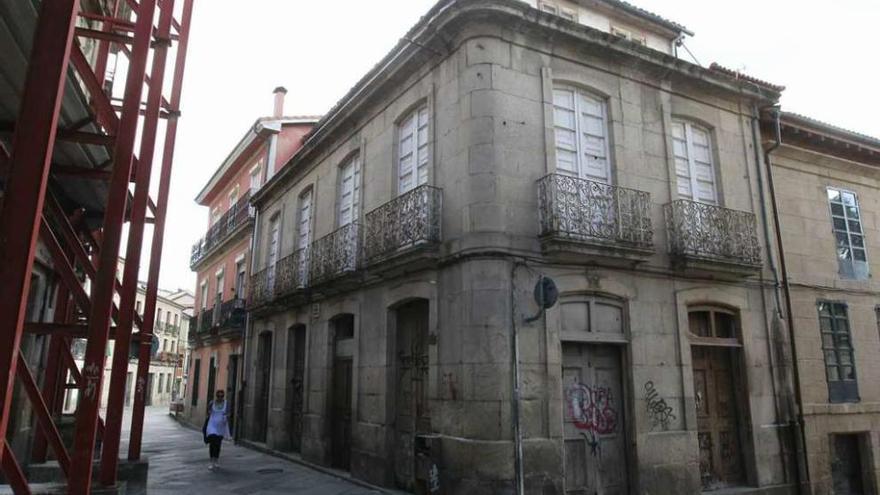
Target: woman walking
x=216 y=426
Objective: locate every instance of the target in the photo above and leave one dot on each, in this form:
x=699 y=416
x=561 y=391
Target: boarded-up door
x=846 y=465
x=340 y=422
x=412 y=414
x=296 y=368
x=594 y=429
x=261 y=399
x=717 y=420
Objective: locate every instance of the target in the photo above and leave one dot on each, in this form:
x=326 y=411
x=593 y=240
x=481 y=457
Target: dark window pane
x=847 y=373
x=725 y=326
x=830 y=358
x=836 y=209
x=839 y=310
x=833 y=374
x=855 y=226
x=839 y=223
x=699 y=323
x=859 y=255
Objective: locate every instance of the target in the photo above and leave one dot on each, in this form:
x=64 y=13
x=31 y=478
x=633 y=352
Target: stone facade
x=420 y=347
x=813 y=160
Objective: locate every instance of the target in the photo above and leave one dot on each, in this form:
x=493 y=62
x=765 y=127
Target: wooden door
x=594 y=429
x=296 y=366
x=717 y=417
x=264 y=372
x=232 y=388
x=846 y=465
x=412 y=414
x=340 y=414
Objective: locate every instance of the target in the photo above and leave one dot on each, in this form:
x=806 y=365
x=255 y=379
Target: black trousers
x=214 y=442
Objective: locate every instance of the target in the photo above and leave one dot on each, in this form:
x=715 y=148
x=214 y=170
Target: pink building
x=221 y=257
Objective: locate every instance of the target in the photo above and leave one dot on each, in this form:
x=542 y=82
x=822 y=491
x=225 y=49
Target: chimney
x=279 y=92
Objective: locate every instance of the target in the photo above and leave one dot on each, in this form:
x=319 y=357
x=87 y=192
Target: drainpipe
x=239 y=403
x=803 y=472
x=515 y=409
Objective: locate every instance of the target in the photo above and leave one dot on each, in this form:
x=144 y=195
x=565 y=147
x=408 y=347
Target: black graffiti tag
x=658 y=410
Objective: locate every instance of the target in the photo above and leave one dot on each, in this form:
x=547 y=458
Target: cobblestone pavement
x=179 y=465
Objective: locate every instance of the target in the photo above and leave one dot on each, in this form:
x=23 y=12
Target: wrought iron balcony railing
x=206 y=320
x=712 y=233
x=260 y=291
x=593 y=212
x=406 y=221
x=292 y=272
x=335 y=254
x=226 y=225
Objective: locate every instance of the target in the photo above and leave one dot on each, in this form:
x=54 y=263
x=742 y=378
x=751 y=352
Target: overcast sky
x=823 y=52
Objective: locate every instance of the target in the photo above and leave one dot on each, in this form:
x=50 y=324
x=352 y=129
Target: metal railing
x=711 y=232
x=585 y=210
x=408 y=220
x=335 y=254
x=228 y=223
x=292 y=272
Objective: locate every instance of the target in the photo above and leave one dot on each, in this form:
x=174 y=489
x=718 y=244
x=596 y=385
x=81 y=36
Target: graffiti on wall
x=592 y=412
x=660 y=413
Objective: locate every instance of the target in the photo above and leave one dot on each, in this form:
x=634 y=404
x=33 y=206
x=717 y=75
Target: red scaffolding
x=44 y=203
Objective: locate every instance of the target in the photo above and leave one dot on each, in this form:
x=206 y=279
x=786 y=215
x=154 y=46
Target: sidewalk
x=179 y=465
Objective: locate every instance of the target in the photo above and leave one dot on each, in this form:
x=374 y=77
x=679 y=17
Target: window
x=304 y=220
x=629 y=35
x=552 y=8
x=137 y=307
x=718 y=324
x=412 y=162
x=176 y=320
x=694 y=170
x=159 y=315
x=837 y=347
x=194 y=390
x=168 y=384
x=580 y=124
x=161 y=382
x=215 y=215
x=848 y=234
x=204 y=295
x=255 y=178
x=272 y=252
x=164 y=345
x=349 y=191
x=240 y=277
x=233 y=197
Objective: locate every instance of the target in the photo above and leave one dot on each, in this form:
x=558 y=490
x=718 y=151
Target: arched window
x=694 y=170
x=580 y=123
x=348 y=191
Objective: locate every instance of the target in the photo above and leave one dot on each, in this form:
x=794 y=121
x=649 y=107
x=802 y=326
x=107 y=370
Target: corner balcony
x=712 y=239
x=336 y=257
x=404 y=231
x=583 y=220
x=222 y=230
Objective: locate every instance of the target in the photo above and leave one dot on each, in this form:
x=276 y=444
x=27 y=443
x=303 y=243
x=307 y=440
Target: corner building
x=396 y=255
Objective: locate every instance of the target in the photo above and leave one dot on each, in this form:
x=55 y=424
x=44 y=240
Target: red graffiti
x=592 y=408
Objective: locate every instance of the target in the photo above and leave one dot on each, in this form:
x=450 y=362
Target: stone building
x=827 y=190
x=221 y=258
x=393 y=330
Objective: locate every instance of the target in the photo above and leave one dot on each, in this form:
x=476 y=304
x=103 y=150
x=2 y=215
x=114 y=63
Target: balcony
x=292 y=273
x=586 y=220
x=709 y=238
x=224 y=318
x=336 y=255
x=262 y=289
x=224 y=228
x=405 y=229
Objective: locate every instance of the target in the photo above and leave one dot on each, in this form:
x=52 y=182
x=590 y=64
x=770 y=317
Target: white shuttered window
x=412 y=166
x=694 y=170
x=304 y=220
x=349 y=191
x=581 y=127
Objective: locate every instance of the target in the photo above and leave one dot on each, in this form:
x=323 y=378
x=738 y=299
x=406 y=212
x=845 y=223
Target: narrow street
x=179 y=465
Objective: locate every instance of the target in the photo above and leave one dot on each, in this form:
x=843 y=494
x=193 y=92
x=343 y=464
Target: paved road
x=179 y=465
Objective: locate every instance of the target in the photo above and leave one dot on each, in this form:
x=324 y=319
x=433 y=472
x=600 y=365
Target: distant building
x=221 y=259
x=165 y=377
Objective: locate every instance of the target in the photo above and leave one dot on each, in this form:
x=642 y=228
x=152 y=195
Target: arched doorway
x=342 y=328
x=296 y=365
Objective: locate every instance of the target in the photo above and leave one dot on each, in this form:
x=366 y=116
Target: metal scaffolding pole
x=104 y=284
x=31 y=157
x=138 y=215
x=137 y=415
